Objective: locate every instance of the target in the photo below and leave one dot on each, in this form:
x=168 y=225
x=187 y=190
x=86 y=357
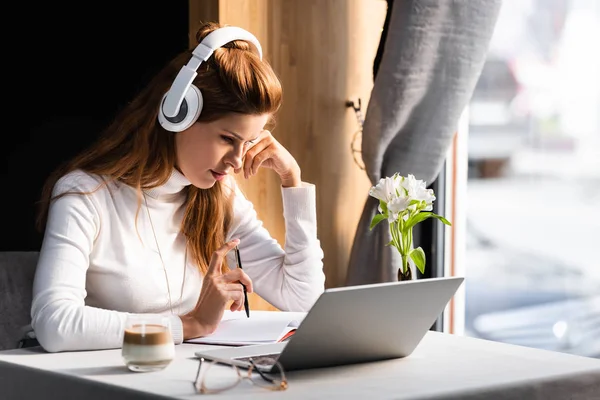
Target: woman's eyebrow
x=238 y=136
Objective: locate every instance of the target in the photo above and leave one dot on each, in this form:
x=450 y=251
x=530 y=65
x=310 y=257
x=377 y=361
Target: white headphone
x=180 y=107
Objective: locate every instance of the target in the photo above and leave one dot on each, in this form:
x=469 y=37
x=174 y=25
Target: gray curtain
x=433 y=54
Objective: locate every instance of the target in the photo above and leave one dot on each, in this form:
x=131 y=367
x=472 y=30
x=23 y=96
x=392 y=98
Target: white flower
x=417 y=190
x=386 y=189
x=396 y=206
x=401 y=199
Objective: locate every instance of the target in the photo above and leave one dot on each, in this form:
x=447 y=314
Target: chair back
x=17 y=269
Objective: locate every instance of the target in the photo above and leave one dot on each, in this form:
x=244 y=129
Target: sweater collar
x=174 y=185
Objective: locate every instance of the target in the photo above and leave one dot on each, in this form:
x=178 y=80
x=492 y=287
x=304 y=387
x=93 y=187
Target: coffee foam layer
x=147 y=335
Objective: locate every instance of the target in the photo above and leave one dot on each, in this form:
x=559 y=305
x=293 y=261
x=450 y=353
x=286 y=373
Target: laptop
x=352 y=324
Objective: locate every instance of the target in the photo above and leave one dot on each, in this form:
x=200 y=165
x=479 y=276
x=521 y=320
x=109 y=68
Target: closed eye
x=230 y=140
x=227 y=139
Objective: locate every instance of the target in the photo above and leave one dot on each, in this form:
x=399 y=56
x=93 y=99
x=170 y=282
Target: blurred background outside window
x=533 y=191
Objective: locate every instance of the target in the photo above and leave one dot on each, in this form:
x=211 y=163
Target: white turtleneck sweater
x=96 y=266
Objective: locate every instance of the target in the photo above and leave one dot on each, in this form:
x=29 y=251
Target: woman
x=142 y=222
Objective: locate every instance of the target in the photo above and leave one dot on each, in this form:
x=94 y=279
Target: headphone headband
x=214 y=40
x=222 y=36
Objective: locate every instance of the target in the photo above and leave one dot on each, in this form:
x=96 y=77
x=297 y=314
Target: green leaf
x=383 y=206
x=444 y=220
x=418 y=256
x=422 y=216
x=416 y=218
x=377 y=219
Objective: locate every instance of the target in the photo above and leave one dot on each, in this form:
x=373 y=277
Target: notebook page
x=262 y=327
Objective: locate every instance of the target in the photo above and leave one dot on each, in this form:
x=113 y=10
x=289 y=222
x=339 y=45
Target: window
x=533 y=187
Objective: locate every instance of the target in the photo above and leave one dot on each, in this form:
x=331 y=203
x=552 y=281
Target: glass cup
x=147 y=343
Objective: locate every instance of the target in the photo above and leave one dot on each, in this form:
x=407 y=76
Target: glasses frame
x=277 y=384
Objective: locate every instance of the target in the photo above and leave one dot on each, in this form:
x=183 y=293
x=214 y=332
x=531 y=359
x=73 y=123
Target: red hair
x=135 y=150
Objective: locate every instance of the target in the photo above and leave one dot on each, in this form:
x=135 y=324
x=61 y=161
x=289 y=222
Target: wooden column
x=323 y=52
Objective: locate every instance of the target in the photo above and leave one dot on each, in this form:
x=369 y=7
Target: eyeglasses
x=211 y=379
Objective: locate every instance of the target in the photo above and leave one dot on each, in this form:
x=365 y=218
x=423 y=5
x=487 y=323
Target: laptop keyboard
x=266 y=360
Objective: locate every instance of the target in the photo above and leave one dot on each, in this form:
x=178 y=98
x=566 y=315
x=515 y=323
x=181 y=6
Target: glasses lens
x=216 y=377
x=274 y=379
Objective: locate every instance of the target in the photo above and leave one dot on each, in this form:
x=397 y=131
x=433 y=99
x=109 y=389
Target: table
x=443 y=366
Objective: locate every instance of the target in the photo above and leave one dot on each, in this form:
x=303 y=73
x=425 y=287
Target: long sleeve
x=290 y=278
x=60 y=317
x=102 y=260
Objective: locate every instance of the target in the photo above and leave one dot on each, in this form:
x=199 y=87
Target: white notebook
x=262 y=327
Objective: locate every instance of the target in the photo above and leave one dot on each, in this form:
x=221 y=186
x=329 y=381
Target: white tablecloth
x=443 y=366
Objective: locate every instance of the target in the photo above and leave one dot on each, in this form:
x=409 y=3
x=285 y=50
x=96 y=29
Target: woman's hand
x=218 y=289
x=269 y=153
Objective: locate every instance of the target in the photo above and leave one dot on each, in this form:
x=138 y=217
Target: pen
x=239 y=265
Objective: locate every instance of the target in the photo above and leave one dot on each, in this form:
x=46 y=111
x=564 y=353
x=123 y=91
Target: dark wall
x=67 y=71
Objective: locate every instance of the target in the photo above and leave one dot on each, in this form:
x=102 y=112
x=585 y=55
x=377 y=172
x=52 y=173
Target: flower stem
x=401 y=242
x=404 y=263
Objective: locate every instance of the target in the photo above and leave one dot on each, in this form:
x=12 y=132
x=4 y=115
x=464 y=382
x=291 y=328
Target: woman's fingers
x=218 y=256
x=235 y=293
x=237 y=306
x=218 y=290
x=269 y=153
x=259 y=159
x=238 y=275
x=260 y=150
x=229 y=288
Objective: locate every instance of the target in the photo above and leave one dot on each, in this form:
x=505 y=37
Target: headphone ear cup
x=189 y=111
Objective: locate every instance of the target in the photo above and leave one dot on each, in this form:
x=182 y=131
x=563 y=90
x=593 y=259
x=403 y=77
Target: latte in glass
x=147 y=344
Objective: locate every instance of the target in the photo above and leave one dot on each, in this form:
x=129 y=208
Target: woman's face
x=208 y=151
